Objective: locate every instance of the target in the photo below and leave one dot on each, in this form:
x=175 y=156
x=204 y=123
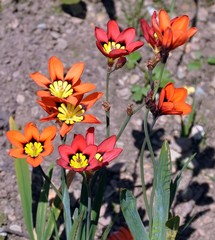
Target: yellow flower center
x=61 y=89
x=111 y=46
x=33 y=149
x=98 y=156
x=70 y=114
x=78 y=160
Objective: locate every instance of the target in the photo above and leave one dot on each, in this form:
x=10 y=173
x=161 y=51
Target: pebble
x=42 y=26
x=202 y=14
x=20 y=98
x=15 y=228
x=55 y=35
x=134 y=78
x=62 y=44
x=181 y=73
x=213 y=82
x=124 y=93
x=197 y=132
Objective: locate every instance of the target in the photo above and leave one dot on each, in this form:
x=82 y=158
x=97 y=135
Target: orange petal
x=164 y=20
x=16 y=138
x=48 y=133
x=181 y=23
x=167 y=107
x=65 y=129
x=34 y=162
x=91 y=99
x=42 y=93
x=31 y=131
x=167 y=38
x=169 y=91
x=183 y=107
x=17 y=153
x=83 y=88
x=40 y=79
x=161 y=98
x=55 y=69
x=75 y=72
x=48 y=149
x=180 y=95
x=191 y=32
x=89 y=118
x=179 y=38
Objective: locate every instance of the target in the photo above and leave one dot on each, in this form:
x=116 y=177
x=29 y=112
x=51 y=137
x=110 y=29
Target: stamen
x=33 y=149
x=61 y=89
x=70 y=114
x=111 y=46
x=98 y=156
x=78 y=160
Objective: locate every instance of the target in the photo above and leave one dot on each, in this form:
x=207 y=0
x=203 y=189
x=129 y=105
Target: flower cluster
x=63 y=97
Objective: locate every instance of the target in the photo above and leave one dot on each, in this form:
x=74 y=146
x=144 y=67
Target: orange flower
x=171 y=33
x=122 y=234
x=32 y=145
x=67 y=88
x=68 y=114
x=172 y=101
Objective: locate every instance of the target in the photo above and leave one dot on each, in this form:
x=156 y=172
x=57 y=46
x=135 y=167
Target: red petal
x=90 y=136
x=115 y=53
x=126 y=36
x=109 y=156
x=65 y=151
x=107 y=145
x=112 y=31
x=134 y=46
x=101 y=35
x=78 y=143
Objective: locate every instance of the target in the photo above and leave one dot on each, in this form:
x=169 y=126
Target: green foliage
x=139 y=92
x=131 y=215
x=194 y=65
x=70 y=1
x=132 y=60
x=24 y=185
x=172 y=227
x=42 y=208
x=187 y=124
x=166 y=76
x=211 y=60
x=162 y=194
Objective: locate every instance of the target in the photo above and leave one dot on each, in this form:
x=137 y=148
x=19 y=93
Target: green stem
x=127 y=119
x=49 y=181
x=107 y=101
x=160 y=80
x=172 y=8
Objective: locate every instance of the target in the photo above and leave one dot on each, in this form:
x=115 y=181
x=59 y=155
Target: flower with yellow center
x=67 y=88
x=32 y=145
x=78 y=160
x=70 y=114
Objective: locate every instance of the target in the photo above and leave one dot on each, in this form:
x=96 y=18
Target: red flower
x=150 y=35
x=122 y=234
x=172 y=33
x=84 y=155
x=67 y=88
x=172 y=101
x=68 y=114
x=115 y=44
x=32 y=145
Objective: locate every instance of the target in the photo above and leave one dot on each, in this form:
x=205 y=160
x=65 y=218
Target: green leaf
x=172 y=227
x=139 y=92
x=24 y=186
x=162 y=193
x=66 y=205
x=211 y=60
x=132 y=60
x=43 y=205
x=77 y=226
x=194 y=65
x=131 y=215
x=175 y=183
x=107 y=231
x=166 y=76
x=70 y=1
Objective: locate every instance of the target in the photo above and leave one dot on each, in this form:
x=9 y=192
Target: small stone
x=213 y=82
x=124 y=93
x=42 y=26
x=61 y=44
x=203 y=14
x=14 y=24
x=16 y=74
x=20 y=98
x=197 y=132
x=35 y=111
x=15 y=228
x=181 y=73
x=55 y=35
x=134 y=78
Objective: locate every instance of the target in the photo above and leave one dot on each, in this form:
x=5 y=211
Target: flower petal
x=65 y=151
x=83 y=88
x=65 y=129
x=90 y=136
x=91 y=99
x=40 y=79
x=34 y=162
x=134 y=46
x=48 y=133
x=110 y=156
x=88 y=118
x=75 y=72
x=31 y=132
x=167 y=38
x=101 y=35
x=112 y=31
x=17 y=153
x=107 y=145
x=180 y=23
x=180 y=95
x=183 y=107
x=16 y=138
x=78 y=144
x=126 y=36
x=55 y=69
x=164 y=20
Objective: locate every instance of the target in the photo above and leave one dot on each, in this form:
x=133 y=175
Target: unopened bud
x=106 y=106
x=120 y=63
x=129 y=110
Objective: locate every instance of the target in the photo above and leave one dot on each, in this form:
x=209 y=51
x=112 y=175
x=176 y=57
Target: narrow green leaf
x=162 y=194
x=194 y=65
x=172 y=227
x=66 y=205
x=43 y=205
x=186 y=127
x=24 y=186
x=107 y=231
x=211 y=60
x=77 y=226
x=70 y=1
x=131 y=215
x=175 y=183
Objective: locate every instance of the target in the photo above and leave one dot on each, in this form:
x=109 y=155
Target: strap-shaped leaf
x=42 y=208
x=162 y=194
x=24 y=186
x=131 y=215
x=172 y=227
